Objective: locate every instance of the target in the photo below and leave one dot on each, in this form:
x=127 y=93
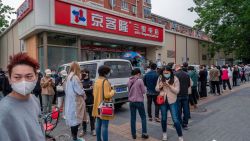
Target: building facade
x=60 y=31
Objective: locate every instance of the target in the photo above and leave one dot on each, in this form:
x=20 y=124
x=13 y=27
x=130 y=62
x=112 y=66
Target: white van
x=120 y=73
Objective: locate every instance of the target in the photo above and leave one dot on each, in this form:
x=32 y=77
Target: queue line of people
x=170 y=88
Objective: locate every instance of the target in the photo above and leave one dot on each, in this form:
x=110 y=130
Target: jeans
x=91 y=118
x=150 y=99
x=47 y=103
x=174 y=114
x=217 y=84
x=228 y=84
x=183 y=106
x=134 y=106
x=102 y=129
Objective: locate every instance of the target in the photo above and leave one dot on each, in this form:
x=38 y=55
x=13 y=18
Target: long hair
x=171 y=79
x=75 y=68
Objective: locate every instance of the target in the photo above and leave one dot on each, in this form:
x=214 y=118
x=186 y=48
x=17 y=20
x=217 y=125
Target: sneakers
x=185 y=127
x=93 y=133
x=134 y=137
x=150 y=119
x=157 y=119
x=144 y=136
x=79 y=139
x=181 y=139
x=164 y=137
x=81 y=134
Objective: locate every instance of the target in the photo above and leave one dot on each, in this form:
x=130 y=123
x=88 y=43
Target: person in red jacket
x=225 y=78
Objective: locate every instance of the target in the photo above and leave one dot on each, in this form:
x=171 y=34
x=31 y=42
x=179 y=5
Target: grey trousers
x=47 y=103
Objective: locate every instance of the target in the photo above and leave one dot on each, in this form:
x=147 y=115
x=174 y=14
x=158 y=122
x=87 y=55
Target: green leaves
x=5 y=12
x=227 y=22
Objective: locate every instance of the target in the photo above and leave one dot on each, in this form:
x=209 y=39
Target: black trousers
x=203 y=89
x=91 y=118
x=234 y=81
x=193 y=96
x=228 y=84
x=215 y=84
x=151 y=99
x=74 y=131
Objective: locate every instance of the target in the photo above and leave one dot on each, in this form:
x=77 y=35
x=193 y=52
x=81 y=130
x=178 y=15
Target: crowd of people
x=25 y=92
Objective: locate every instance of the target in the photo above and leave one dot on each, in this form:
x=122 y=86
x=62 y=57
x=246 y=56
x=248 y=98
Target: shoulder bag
x=106 y=108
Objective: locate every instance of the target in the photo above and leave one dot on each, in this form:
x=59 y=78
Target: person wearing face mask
x=74 y=108
x=20 y=110
x=47 y=84
x=168 y=86
x=102 y=85
x=137 y=89
x=87 y=84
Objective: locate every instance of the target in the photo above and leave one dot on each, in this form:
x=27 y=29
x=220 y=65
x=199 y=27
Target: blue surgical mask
x=167 y=75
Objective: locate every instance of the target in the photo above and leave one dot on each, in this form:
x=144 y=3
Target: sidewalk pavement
x=119 y=129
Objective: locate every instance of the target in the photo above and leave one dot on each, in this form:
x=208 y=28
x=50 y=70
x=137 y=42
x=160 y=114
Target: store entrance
x=92 y=50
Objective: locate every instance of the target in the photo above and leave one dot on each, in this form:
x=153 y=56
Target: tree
x=227 y=22
x=5 y=12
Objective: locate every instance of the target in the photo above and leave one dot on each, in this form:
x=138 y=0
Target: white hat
x=64 y=73
x=47 y=71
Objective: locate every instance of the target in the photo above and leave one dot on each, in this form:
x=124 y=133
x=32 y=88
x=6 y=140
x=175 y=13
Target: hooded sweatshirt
x=136 y=89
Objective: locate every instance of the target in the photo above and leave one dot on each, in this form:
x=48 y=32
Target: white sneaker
x=164 y=137
x=93 y=133
x=181 y=139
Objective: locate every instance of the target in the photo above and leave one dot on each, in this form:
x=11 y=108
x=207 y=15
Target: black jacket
x=37 y=90
x=88 y=86
x=184 y=82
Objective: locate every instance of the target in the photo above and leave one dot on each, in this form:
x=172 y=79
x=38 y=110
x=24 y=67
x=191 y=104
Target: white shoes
x=164 y=137
x=181 y=139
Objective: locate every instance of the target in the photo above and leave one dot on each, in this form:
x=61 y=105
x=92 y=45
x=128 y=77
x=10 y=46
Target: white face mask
x=23 y=87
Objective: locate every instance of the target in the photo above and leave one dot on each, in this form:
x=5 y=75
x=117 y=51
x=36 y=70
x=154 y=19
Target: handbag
x=106 y=108
x=59 y=88
x=160 y=100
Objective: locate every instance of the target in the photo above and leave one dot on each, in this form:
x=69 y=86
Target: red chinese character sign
x=76 y=16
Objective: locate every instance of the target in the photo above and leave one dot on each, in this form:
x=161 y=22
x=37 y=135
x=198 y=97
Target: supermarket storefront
x=60 y=31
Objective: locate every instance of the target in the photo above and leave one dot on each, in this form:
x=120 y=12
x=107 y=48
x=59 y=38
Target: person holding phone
x=168 y=86
x=47 y=84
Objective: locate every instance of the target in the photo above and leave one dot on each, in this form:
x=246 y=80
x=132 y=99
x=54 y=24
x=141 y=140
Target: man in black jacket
x=182 y=97
x=37 y=90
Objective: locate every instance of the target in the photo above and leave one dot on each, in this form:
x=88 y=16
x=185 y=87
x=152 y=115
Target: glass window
x=147 y=1
x=124 y=5
x=60 y=55
x=134 y=9
x=119 y=69
x=147 y=11
x=92 y=69
x=63 y=40
x=112 y=2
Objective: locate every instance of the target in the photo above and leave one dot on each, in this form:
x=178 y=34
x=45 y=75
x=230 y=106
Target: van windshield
x=119 y=69
x=92 y=69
